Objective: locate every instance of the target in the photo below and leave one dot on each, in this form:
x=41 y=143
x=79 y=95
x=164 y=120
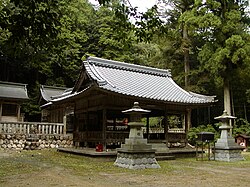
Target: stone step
x=160 y=147
x=165 y=157
x=163 y=153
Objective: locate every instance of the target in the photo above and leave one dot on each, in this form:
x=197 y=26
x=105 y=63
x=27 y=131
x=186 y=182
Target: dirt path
x=203 y=175
x=60 y=177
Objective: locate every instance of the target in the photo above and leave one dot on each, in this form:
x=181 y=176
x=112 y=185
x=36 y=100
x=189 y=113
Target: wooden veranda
x=99 y=120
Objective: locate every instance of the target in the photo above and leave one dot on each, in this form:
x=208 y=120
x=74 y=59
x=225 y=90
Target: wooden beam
x=104 y=128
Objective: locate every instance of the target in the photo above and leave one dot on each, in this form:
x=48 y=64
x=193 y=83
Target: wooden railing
x=31 y=128
x=161 y=130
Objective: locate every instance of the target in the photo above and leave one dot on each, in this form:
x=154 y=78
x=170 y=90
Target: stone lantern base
x=136 y=160
x=228 y=155
x=136 y=153
x=225 y=148
x=228 y=150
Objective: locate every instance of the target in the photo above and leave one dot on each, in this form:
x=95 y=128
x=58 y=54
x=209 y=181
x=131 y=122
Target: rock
x=43 y=137
x=2 y=136
x=9 y=136
x=4 y=146
x=64 y=142
x=69 y=142
x=18 y=137
x=1 y=142
x=52 y=145
x=32 y=147
x=27 y=147
x=57 y=137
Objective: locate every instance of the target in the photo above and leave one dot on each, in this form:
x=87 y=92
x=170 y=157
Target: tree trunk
x=227 y=99
x=186 y=56
x=187 y=71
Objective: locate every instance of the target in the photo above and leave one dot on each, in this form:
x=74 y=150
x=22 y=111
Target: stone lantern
x=225 y=148
x=136 y=153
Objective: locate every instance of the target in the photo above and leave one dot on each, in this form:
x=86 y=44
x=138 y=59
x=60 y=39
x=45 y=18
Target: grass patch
x=31 y=161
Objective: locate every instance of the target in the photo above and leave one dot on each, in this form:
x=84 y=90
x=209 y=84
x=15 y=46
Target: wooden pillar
x=1 y=109
x=186 y=124
x=18 y=112
x=147 y=127
x=104 y=128
x=64 y=124
x=188 y=117
x=209 y=115
x=165 y=123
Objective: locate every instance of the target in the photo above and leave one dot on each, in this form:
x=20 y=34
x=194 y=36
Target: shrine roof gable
x=16 y=91
x=139 y=81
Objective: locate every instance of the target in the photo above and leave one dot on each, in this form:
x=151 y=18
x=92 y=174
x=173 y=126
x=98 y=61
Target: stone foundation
x=30 y=142
x=136 y=160
x=228 y=155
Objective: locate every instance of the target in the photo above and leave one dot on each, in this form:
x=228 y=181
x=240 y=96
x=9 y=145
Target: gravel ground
x=51 y=168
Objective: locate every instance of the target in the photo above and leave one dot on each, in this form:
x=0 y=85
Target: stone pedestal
x=225 y=148
x=136 y=160
x=228 y=155
x=136 y=153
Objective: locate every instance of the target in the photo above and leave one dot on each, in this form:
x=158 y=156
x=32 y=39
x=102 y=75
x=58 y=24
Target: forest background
x=206 y=44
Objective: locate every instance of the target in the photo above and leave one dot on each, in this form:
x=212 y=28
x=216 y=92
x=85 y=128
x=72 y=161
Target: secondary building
x=12 y=95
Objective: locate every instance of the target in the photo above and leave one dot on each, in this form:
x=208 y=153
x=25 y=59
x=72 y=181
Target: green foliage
x=47 y=39
x=242 y=126
x=227 y=42
x=192 y=134
x=174 y=121
x=153 y=121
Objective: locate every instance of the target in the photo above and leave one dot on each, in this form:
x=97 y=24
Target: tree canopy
x=204 y=43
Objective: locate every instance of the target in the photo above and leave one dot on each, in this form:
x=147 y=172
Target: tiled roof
x=140 y=81
x=9 y=90
x=50 y=92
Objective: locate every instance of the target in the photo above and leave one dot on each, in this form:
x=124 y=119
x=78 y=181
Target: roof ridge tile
x=130 y=67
